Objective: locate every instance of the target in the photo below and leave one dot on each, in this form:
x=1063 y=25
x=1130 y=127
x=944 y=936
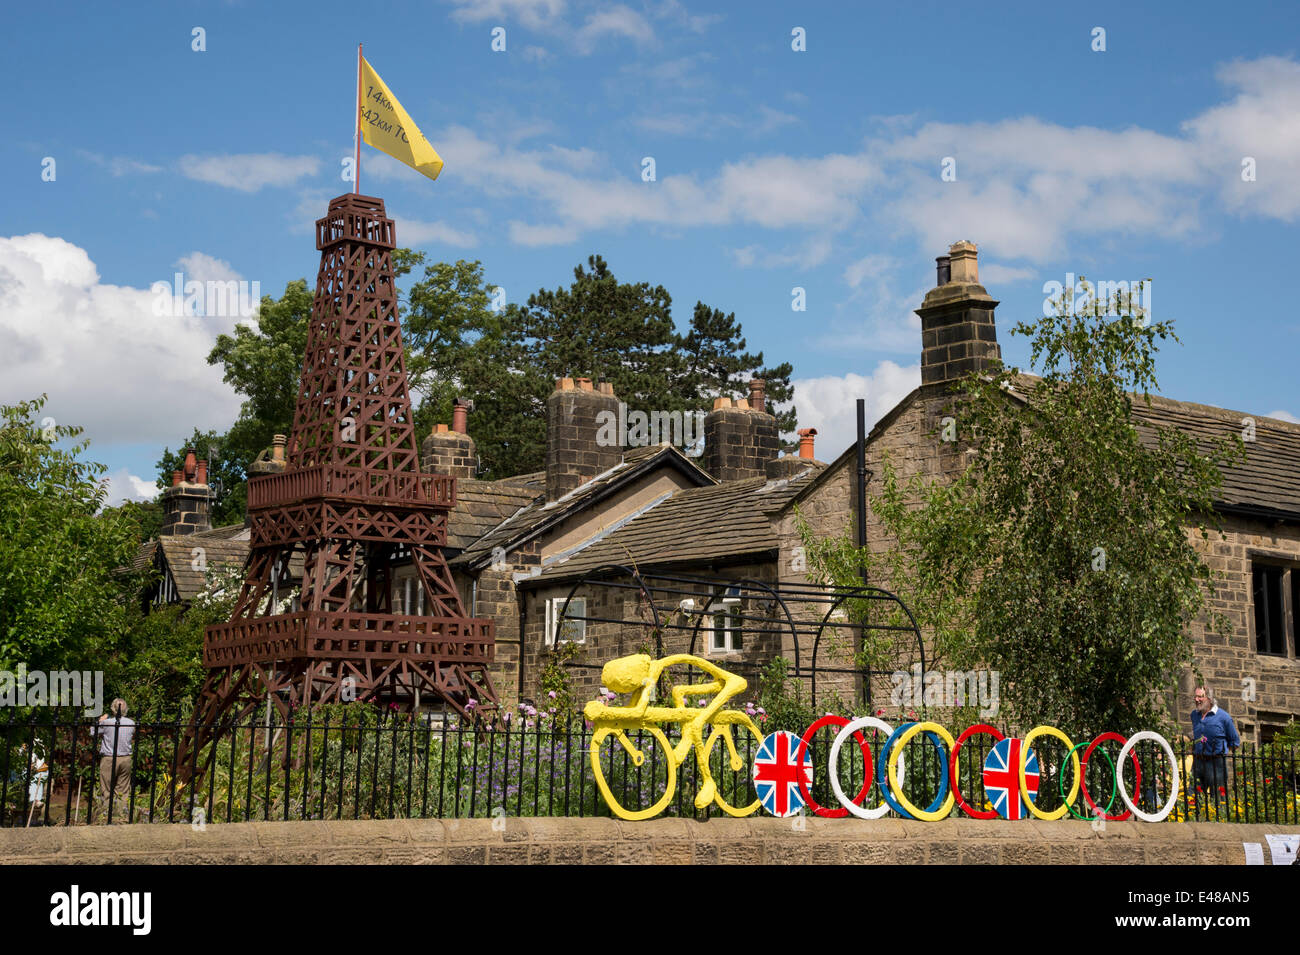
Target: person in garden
x=1213 y=735
x=115 y=734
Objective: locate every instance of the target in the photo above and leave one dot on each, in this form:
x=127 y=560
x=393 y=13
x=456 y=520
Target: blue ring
x=882 y=772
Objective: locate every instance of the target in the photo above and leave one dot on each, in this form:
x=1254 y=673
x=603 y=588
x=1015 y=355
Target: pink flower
x=551 y=694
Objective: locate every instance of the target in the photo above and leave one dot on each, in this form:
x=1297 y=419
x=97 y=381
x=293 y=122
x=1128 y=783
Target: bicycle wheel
x=633 y=781
x=733 y=770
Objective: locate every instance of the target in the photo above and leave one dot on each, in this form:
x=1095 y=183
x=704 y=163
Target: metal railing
x=356 y=761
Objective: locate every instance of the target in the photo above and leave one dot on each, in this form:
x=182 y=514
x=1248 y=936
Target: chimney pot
x=758 y=394
x=191 y=465
x=459 y=415
x=943 y=268
x=806 y=436
x=439 y=429
x=201 y=473
x=277 y=448
x=564 y=384
x=722 y=402
x=607 y=388
x=176 y=478
x=964 y=263
x=584 y=384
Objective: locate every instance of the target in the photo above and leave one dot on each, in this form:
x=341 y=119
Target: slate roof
x=1266 y=484
x=721 y=522
x=481 y=506
x=540 y=513
x=221 y=546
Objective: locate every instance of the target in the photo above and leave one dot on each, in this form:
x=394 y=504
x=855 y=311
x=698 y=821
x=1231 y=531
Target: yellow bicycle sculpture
x=639 y=674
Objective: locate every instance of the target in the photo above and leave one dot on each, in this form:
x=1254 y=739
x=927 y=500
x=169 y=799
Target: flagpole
x=356 y=169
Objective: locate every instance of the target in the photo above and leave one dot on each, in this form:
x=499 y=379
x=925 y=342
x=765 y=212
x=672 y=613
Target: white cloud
x=1263 y=123
x=994 y=273
x=249 y=172
x=613 y=21
x=878 y=313
x=829 y=404
x=808 y=254
x=533 y=14
x=415 y=232
x=535 y=235
x=119 y=165
x=1281 y=415
x=201 y=267
x=125 y=486
x=106 y=360
x=773 y=192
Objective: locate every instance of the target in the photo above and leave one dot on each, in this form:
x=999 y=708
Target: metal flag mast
x=356 y=139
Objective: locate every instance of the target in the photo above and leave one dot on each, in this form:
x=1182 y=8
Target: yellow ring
x=911 y=731
x=1024 y=789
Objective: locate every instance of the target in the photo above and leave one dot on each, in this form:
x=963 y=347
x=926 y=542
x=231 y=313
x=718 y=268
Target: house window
x=723 y=619
x=574 y=630
x=1273 y=589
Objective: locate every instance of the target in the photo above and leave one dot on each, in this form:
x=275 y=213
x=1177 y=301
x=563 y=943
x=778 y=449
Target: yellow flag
x=388 y=127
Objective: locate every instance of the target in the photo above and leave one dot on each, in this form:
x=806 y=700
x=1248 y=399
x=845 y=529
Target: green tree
x=1061 y=556
x=59 y=601
x=715 y=363
x=460 y=346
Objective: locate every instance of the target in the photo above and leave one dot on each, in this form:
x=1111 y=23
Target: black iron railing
x=359 y=762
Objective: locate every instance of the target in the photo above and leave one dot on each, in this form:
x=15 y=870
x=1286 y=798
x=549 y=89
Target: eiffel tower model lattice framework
x=352 y=500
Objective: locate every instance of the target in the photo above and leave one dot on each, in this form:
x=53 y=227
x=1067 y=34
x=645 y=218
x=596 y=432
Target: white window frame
x=733 y=632
x=577 y=606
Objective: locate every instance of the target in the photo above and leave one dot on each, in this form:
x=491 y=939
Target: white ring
x=833 y=766
x=1168 y=807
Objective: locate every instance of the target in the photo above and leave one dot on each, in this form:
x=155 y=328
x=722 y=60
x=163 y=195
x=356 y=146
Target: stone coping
x=604 y=841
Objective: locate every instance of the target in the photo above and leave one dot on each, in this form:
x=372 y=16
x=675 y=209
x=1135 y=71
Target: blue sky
x=774 y=168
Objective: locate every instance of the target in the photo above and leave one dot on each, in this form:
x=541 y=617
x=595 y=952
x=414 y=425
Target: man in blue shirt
x=1213 y=734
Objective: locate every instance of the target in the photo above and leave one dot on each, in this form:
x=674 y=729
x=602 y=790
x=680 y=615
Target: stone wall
x=606 y=841
x=1229 y=663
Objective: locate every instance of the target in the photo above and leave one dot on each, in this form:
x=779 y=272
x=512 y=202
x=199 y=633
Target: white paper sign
x=1254 y=853
x=1284 y=848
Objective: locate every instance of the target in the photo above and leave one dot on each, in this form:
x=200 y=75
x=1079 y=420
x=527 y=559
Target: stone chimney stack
x=187 y=504
x=574 y=417
x=740 y=437
x=958 y=335
x=451 y=451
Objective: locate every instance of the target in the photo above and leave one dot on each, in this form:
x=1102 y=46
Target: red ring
x=952 y=768
x=1083 y=773
x=806 y=740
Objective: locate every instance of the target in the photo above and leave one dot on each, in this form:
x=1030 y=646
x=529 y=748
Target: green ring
x=1060 y=781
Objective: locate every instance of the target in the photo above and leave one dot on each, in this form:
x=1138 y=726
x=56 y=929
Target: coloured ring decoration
x=967 y=733
x=945 y=797
x=1168 y=807
x=861 y=723
x=1114 y=769
x=889 y=771
x=1083 y=786
x=831 y=720
x=883 y=780
x=1074 y=759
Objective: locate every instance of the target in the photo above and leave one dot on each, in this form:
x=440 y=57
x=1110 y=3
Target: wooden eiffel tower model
x=352 y=500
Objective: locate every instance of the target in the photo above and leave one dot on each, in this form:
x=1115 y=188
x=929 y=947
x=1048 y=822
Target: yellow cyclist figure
x=639 y=674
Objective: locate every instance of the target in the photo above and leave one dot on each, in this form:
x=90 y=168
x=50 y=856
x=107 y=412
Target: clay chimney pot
x=806 y=436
